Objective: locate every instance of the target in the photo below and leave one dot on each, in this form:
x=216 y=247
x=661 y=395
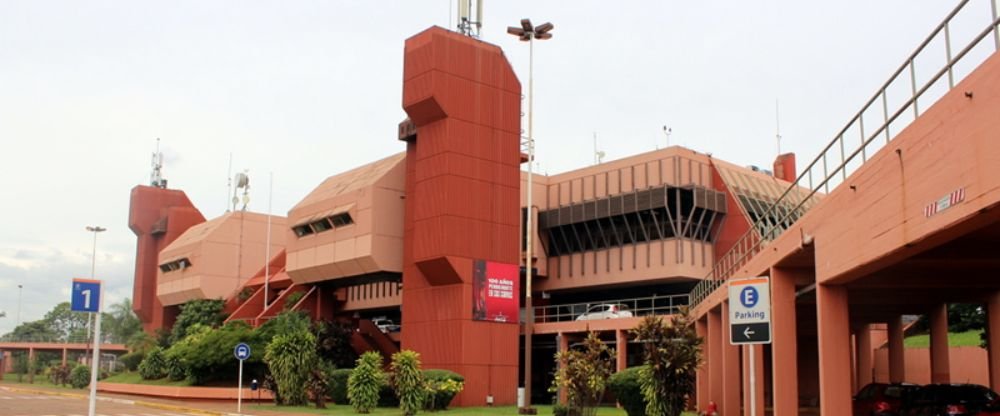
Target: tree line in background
x=61 y=324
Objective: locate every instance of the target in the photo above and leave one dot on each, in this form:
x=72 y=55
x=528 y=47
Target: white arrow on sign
x=747 y=332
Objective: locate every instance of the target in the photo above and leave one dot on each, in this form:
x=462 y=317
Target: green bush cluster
x=59 y=375
x=365 y=382
x=291 y=357
x=79 y=377
x=408 y=381
x=441 y=387
x=153 y=366
x=338 y=385
x=132 y=360
x=627 y=389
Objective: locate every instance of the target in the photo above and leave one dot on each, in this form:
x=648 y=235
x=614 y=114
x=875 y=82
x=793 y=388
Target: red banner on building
x=495 y=291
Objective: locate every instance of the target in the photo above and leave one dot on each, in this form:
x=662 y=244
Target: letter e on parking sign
x=750 y=311
x=86 y=295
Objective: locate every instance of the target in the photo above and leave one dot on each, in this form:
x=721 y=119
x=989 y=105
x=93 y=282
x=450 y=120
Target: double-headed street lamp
x=528 y=33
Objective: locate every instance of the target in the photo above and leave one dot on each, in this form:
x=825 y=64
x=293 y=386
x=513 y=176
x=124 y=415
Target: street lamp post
x=528 y=33
x=19 y=290
x=93 y=264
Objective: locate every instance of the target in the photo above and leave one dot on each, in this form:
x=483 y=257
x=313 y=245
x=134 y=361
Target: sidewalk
x=210 y=408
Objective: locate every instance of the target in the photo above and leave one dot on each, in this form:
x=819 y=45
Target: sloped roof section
x=354 y=179
x=757 y=192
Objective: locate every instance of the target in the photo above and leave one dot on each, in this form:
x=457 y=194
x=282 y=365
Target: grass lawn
x=463 y=411
x=959 y=339
x=134 y=378
x=40 y=381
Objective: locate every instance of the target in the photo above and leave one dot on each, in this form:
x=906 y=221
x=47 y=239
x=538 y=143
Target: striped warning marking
x=944 y=202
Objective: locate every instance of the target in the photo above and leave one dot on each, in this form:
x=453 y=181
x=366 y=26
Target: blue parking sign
x=86 y=295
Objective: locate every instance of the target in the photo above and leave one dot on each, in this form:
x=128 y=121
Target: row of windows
x=633 y=228
x=180 y=264
x=323 y=224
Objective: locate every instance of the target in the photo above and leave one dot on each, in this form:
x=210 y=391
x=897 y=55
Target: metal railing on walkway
x=840 y=158
x=652 y=305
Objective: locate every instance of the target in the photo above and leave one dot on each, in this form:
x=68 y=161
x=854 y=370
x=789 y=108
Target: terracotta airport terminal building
x=433 y=239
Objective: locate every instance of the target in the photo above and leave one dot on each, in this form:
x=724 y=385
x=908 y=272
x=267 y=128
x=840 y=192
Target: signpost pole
x=239 y=396
x=753 y=381
x=94 y=366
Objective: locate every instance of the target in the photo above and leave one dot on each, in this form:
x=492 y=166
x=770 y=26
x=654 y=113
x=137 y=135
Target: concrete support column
x=563 y=347
x=760 y=380
x=730 y=405
x=621 y=346
x=863 y=349
x=31 y=370
x=715 y=363
x=701 y=375
x=940 y=363
x=784 y=344
x=897 y=365
x=834 y=349
x=993 y=338
x=64 y=355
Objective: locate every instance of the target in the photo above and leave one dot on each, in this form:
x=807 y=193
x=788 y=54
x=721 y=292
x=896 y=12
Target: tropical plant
x=365 y=382
x=153 y=367
x=132 y=360
x=408 y=381
x=292 y=299
x=290 y=358
x=441 y=386
x=79 y=377
x=672 y=353
x=207 y=312
x=584 y=374
x=626 y=388
x=60 y=375
x=319 y=383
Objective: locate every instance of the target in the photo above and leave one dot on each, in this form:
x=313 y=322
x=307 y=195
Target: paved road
x=18 y=403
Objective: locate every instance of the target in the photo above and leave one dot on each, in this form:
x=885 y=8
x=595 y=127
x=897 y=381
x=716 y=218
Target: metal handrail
x=754 y=240
x=650 y=305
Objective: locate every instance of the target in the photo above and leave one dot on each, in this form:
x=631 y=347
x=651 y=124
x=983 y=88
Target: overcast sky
x=307 y=89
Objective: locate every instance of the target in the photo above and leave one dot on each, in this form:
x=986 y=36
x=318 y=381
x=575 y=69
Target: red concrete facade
x=157 y=216
x=461 y=205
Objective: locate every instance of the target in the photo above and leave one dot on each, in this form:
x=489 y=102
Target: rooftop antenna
x=777 y=125
x=229 y=181
x=156 y=177
x=598 y=154
x=242 y=181
x=666 y=132
x=466 y=25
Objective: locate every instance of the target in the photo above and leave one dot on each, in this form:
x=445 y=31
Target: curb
x=155 y=405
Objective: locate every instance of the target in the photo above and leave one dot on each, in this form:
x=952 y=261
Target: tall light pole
x=19 y=290
x=93 y=262
x=529 y=33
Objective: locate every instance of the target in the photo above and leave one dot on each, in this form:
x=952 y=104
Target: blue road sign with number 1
x=242 y=351
x=86 y=295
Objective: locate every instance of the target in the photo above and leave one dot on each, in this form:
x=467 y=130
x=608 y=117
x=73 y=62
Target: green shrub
x=174 y=367
x=365 y=381
x=79 y=377
x=291 y=358
x=59 y=375
x=132 y=360
x=627 y=389
x=387 y=394
x=561 y=410
x=409 y=381
x=338 y=385
x=441 y=386
x=206 y=312
x=292 y=299
x=153 y=366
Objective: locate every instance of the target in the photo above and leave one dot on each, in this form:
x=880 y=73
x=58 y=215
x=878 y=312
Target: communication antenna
x=229 y=181
x=777 y=125
x=466 y=25
x=598 y=154
x=667 y=131
x=156 y=177
x=242 y=181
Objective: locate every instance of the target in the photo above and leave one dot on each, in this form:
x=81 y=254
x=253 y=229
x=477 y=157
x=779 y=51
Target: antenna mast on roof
x=598 y=154
x=777 y=125
x=156 y=177
x=667 y=131
x=466 y=25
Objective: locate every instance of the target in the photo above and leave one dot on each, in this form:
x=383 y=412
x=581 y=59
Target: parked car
x=605 y=311
x=385 y=325
x=953 y=400
x=883 y=399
